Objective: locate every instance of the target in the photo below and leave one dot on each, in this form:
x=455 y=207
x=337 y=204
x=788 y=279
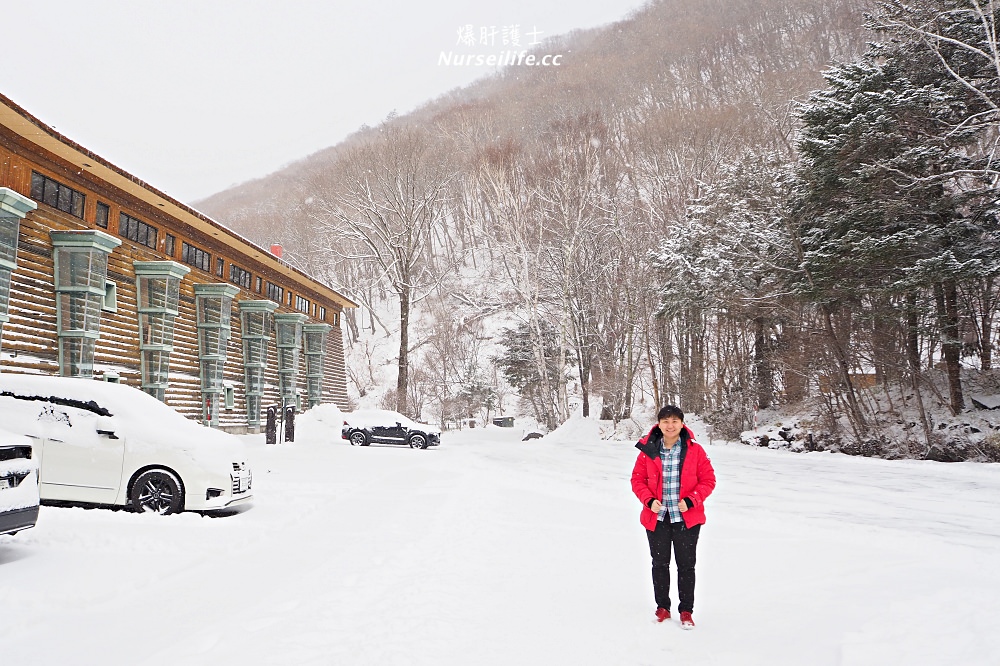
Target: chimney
x=276 y=250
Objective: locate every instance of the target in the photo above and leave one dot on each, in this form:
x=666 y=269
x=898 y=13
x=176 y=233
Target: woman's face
x=670 y=427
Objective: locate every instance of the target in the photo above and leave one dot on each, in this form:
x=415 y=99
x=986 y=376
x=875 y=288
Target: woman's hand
x=655 y=506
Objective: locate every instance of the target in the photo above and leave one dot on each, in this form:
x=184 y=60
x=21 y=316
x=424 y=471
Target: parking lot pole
x=289 y=423
x=272 y=425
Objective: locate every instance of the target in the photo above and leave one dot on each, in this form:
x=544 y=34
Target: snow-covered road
x=494 y=551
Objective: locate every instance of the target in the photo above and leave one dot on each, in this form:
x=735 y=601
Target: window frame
x=202 y=260
x=275 y=290
x=101 y=206
x=240 y=276
x=77 y=200
x=136 y=230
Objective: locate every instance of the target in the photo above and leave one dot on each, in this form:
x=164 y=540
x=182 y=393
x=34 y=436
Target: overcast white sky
x=194 y=96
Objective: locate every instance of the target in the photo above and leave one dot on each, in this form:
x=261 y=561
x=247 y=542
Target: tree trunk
x=986 y=327
x=696 y=399
x=583 y=359
x=795 y=371
x=913 y=359
x=952 y=345
x=629 y=382
x=652 y=368
x=403 y=378
x=857 y=419
x=762 y=365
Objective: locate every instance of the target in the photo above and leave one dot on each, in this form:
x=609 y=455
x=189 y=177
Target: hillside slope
x=746 y=59
x=642 y=114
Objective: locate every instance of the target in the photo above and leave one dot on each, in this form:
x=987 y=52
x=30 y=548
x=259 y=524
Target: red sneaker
x=686 y=621
x=662 y=614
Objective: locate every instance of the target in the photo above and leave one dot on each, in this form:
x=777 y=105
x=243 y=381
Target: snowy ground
x=489 y=550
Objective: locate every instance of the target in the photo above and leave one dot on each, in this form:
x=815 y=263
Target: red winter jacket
x=697 y=476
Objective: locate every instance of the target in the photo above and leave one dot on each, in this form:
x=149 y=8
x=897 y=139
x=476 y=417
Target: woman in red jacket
x=672 y=478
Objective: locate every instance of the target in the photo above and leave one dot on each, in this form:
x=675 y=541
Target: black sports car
x=381 y=426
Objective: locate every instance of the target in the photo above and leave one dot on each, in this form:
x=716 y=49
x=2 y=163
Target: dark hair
x=668 y=411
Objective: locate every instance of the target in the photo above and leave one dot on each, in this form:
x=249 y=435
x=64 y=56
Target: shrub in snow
x=791 y=438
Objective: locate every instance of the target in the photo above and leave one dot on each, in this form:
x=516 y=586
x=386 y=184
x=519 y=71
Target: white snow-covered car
x=18 y=484
x=382 y=426
x=110 y=444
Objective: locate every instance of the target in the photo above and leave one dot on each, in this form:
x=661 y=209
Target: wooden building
x=104 y=277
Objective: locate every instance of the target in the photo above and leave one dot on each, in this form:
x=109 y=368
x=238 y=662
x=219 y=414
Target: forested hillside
x=669 y=216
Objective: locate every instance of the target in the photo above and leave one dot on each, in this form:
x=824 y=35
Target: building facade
x=104 y=277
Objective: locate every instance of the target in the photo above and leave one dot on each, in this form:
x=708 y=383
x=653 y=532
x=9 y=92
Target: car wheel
x=157 y=491
x=418 y=442
x=358 y=438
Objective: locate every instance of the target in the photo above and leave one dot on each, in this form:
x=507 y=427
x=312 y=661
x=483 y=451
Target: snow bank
x=319 y=424
x=531 y=553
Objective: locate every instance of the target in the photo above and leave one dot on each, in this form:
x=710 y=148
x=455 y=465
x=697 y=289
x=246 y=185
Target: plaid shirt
x=671 y=459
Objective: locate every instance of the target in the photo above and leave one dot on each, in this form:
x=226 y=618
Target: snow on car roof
x=367 y=418
x=140 y=413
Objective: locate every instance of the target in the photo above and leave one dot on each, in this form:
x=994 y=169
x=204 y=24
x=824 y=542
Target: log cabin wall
x=30 y=338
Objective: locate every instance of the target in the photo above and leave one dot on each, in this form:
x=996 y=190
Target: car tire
x=358 y=438
x=157 y=491
x=418 y=441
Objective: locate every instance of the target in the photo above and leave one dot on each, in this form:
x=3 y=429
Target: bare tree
x=388 y=203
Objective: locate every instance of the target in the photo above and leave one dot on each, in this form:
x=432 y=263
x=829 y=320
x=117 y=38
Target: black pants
x=685 y=545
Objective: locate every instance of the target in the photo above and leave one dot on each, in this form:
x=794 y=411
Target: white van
x=104 y=443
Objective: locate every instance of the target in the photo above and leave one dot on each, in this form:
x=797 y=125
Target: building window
x=13 y=208
x=169 y=244
x=289 y=298
x=258 y=284
x=274 y=292
x=288 y=328
x=4 y=287
x=322 y=313
x=239 y=276
x=220 y=266
x=81 y=268
x=314 y=343
x=157 y=292
x=336 y=319
x=57 y=195
x=102 y=215
x=136 y=230
x=196 y=257
x=256 y=320
x=214 y=306
x=110 y=297
x=302 y=305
